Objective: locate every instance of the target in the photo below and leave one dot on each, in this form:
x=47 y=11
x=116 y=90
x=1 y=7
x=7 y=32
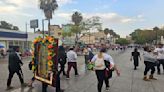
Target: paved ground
x=129 y=81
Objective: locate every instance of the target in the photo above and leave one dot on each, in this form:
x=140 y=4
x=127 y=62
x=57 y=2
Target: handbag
x=108 y=71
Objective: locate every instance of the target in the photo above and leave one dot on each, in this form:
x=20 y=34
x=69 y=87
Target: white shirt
x=18 y=54
x=71 y=56
x=106 y=57
x=160 y=52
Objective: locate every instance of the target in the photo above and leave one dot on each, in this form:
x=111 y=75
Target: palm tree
x=76 y=18
x=48 y=7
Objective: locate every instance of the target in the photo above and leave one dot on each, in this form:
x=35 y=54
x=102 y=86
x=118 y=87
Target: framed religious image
x=45 y=59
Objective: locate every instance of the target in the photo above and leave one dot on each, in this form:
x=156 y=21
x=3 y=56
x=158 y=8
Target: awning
x=1 y=46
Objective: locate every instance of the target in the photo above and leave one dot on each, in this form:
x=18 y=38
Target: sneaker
x=67 y=78
x=107 y=88
x=152 y=77
x=146 y=79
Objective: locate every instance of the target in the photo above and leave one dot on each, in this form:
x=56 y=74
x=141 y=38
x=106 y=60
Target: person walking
x=62 y=59
x=149 y=61
x=135 y=55
x=14 y=66
x=159 y=51
x=72 y=62
x=100 y=68
x=86 y=56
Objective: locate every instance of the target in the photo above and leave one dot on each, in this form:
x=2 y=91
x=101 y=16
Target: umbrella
x=1 y=46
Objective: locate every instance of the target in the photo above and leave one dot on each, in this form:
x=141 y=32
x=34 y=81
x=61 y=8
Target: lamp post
x=26 y=35
x=43 y=27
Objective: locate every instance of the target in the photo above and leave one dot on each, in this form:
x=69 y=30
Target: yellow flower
x=50 y=63
x=49 y=53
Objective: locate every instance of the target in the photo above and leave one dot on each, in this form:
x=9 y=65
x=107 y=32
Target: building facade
x=56 y=31
x=10 y=38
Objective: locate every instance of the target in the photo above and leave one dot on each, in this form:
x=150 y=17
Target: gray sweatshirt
x=149 y=57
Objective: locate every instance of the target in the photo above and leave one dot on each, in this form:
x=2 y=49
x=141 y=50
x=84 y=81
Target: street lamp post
x=43 y=27
x=26 y=35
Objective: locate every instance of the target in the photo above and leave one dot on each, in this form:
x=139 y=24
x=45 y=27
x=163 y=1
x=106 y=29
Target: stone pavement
x=129 y=81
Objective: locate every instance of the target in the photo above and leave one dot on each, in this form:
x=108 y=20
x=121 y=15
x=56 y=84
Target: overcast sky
x=123 y=16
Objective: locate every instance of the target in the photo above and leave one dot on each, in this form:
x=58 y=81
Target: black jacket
x=14 y=62
x=62 y=55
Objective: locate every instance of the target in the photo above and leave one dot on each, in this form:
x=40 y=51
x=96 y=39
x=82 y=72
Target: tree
x=146 y=36
x=15 y=28
x=76 y=18
x=48 y=7
x=6 y=25
x=156 y=29
x=122 y=41
x=106 y=32
x=67 y=34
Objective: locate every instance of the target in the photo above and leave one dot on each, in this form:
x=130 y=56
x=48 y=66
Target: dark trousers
x=11 y=74
x=149 y=66
x=86 y=57
x=62 y=69
x=101 y=77
x=136 y=63
x=70 y=65
x=161 y=61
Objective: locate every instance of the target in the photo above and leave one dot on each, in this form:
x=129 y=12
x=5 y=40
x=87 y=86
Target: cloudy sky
x=123 y=16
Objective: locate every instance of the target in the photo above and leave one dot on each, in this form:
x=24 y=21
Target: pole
x=34 y=30
x=156 y=37
x=43 y=27
x=26 y=35
x=49 y=27
x=89 y=36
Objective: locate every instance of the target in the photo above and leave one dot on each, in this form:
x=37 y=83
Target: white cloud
x=6 y=9
x=64 y=15
x=106 y=18
x=17 y=7
x=63 y=2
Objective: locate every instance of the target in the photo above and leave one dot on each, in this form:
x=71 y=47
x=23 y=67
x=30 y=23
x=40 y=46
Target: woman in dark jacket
x=62 y=59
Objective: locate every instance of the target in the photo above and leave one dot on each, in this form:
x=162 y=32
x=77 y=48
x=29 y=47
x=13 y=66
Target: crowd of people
x=153 y=58
x=103 y=64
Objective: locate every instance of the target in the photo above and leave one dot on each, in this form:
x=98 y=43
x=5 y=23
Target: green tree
x=76 y=28
x=15 y=28
x=6 y=25
x=48 y=7
x=122 y=41
x=147 y=36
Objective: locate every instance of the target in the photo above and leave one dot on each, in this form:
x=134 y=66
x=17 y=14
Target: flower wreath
x=50 y=43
